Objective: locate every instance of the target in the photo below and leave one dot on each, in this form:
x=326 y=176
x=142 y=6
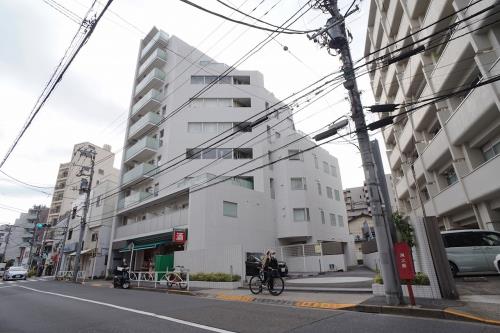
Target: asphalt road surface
x=50 y=306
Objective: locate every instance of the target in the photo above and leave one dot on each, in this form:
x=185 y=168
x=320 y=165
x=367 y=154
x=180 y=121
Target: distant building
x=361 y=227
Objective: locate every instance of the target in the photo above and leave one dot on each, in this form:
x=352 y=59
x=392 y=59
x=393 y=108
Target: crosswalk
x=11 y=283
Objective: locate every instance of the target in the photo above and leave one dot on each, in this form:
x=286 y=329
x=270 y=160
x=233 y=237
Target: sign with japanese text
x=179 y=236
x=404 y=261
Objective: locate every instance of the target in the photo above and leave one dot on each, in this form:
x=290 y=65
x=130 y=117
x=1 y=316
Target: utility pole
x=85 y=187
x=61 y=252
x=338 y=40
x=6 y=244
x=37 y=208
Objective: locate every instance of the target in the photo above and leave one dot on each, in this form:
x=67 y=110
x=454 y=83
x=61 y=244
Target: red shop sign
x=404 y=261
x=179 y=236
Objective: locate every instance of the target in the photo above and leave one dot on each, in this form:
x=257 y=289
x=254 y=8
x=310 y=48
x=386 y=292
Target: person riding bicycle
x=269 y=262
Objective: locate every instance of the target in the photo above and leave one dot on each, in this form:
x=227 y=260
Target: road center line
x=150 y=314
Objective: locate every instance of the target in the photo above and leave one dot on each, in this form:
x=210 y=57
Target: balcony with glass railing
x=161 y=38
x=154 y=80
x=134 y=199
x=139 y=173
x=147 y=103
x=144 y=125
x=142 y=150
x=156 y=60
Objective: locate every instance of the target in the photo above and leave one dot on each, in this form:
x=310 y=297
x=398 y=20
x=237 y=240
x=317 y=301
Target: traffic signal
x=73 y=213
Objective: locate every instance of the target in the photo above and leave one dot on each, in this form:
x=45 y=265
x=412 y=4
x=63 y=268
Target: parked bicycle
x=274 y=283
x=177 y=277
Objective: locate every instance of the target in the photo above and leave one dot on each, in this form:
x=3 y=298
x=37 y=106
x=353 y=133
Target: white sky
x=91 y=102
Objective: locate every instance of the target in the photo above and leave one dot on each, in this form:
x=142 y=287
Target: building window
x=341 y=220
x=333 y=221
x=294 y=155
x=193 y=154
x=450 y=175
x=197 y=79
x=425 y=194
x=301 y=214
x=318 y=185
x=162 y=133
x=242 y=153
x=98 y=201
x=158 y=160
x=242 y=102
x=94 y=237
x=298 y=183
x=209 y=154
x=241 y=80
x=316 y=164
x=225 y=153
x=100 y=171
x=491 y=150
x=163 y=110
x=337 y=195
x=322 y=213
x=271 y=188
x=326 y=168
x=229 y=209
x=156 y=189
x=329 y=192
x=333 y=170
x=70 y=234
x=243 y=127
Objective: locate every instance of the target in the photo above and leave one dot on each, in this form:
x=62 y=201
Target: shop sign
x=179 y=236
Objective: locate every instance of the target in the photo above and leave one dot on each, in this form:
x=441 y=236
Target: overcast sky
x=91 y=102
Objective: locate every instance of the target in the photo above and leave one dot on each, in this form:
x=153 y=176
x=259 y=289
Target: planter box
x=215 y=285
x=418 y=291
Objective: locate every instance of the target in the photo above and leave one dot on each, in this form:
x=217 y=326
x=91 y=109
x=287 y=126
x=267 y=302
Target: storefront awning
x=142 y=246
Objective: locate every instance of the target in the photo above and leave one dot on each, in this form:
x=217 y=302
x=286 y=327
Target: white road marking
x=150 y=314
x=6 y=287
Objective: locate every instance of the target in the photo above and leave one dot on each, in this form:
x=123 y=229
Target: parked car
x=497 y=263
x=471 y=251
x=253 y=263
x=2 y=269
x=15 y=273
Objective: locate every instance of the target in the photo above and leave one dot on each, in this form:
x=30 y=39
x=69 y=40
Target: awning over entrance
x=140 y=247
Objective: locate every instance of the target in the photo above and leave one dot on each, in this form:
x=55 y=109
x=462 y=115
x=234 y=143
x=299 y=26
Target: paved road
x=38 y=306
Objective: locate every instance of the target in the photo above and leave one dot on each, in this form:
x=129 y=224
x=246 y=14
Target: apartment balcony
x=449 y=199
x=436 y=10
x=405 y=139
x=142 y=150
x=154 y=80
x=481 y=183
x=423 y=116
x=160 y=39
x=155 y=225
x=419 y=168
x=147 y=103
x=156 y=60
x=402 y=188
x=134 y=199
x=456 y=56
x=388 y=132
x=395 y=158
x=412 y=76
x=144 y=125
x=394 y=14
x=437 y=152
x=473 y=115
x=139 y=173
x=417 y=8
x=404 y=29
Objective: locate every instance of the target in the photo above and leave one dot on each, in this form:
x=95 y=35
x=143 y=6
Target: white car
x=497 y=263
x=15 y=273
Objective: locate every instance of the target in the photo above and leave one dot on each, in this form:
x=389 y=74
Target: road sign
x=404 y=261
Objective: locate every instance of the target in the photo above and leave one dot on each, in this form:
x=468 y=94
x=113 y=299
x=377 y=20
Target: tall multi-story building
x=168 y=181
x=452 y=144
x=21 y=236
x=66 y=190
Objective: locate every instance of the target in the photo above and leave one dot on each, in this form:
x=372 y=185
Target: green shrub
x=378 y=279
x=421 y=279
x=32 y=272
x=214 y=277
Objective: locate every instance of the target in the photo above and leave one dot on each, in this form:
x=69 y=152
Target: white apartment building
x=453 y=144
x=295 y=201
x=66 y=190
x=97 y=232
x=21 y=236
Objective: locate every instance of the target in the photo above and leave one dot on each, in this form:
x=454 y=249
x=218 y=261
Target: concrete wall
x=371 y=260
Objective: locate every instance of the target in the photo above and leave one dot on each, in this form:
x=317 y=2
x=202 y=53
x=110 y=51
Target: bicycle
x=275 y=283
x=178 y=277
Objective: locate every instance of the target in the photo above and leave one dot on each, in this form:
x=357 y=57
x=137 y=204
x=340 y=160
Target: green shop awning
x=142 y=246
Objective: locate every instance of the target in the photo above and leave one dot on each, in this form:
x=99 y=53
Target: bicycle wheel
x=183 y=284
x=276 y=285
x=255 y=285
x=170 y=280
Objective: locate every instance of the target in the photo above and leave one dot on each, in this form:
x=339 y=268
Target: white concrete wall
x=371 y=260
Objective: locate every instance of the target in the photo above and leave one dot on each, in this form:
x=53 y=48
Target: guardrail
x=155 y=278
x=68 y=275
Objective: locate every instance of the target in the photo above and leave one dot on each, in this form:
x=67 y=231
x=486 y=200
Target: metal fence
x=325 y=256
x=68 y=275
x=154 y=279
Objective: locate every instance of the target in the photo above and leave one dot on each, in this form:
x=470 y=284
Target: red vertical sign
x=404 y=261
